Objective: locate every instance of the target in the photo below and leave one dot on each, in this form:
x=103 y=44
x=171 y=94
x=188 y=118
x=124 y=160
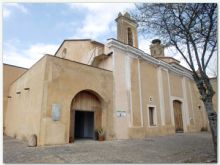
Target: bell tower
x=127 y=30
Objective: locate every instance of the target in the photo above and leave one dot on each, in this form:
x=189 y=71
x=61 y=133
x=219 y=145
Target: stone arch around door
x=178 y=115
x=85 y=115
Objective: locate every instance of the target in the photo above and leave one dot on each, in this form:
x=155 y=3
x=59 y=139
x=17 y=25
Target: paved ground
x=181 y=148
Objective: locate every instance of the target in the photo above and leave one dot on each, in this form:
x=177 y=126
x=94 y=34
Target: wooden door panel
x=178 y=116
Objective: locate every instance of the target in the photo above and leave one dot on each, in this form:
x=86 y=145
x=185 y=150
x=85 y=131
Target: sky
x=31 y=30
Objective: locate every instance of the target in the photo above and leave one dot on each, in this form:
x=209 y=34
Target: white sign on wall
x=120 y=113
x=56 y=112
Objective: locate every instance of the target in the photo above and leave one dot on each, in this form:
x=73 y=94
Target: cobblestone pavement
x=180 y=148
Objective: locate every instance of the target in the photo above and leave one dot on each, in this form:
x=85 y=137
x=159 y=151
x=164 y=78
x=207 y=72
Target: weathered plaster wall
x=64 y=79
x=175 y=85
x=191 y=106
x=135 y=94
x=135 y=89
x=214 y=83
x=106 y=63
x=199 y=109
x=150 y=94
x=10 y=74
x=78 y=50
x=155 y=93
x=24 y=109
x=166 y=92
x=121 y=93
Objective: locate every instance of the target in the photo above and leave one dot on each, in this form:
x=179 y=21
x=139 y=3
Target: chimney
x=156 y=48
x=157 y=51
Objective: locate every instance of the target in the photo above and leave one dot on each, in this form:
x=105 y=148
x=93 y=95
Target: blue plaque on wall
x=56 y=112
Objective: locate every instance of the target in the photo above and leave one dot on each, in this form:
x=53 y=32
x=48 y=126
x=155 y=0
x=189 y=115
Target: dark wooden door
x=178 y=116
x=85 y=116
x=84 y=124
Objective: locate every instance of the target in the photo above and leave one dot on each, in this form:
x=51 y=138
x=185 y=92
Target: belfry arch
x=130 y=37
x=85 y=115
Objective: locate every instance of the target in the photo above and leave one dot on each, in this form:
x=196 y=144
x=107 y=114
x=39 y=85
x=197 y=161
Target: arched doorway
x=85 y=115
x=178 y=116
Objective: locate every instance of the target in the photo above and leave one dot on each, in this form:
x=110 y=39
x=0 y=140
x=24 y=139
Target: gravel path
x=181 y=148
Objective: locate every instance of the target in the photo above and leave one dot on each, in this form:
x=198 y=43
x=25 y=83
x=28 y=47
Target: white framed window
x=152 y=115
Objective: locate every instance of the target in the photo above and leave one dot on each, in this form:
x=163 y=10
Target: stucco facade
x=148 y=82
x=10 y=74
x=114 y=86
x=52 y=83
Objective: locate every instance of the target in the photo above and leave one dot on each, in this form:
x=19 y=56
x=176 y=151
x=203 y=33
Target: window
x=130 y=37
x=152 y=116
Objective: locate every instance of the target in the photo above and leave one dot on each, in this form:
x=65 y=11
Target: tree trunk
x=206 y=92
x=212 y=117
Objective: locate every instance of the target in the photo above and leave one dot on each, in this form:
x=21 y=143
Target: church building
x=87 y=85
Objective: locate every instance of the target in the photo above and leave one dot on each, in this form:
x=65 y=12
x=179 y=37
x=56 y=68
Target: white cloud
x=212 y=68
x=144 y=44
x=9 y=8
x=99 y=17
x=6 y=12
x=26 y=58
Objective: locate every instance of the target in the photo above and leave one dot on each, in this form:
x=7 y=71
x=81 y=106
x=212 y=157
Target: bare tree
x=192 y=29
